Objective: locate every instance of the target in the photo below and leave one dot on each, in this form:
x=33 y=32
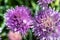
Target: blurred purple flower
x=46 y=23
x=14 y=36
x=19 y=19
x=44 y=3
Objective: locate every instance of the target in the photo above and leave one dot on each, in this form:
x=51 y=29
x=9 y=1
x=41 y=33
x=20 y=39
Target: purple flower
x=46 y=23
x=44 y=3
x=19 y=19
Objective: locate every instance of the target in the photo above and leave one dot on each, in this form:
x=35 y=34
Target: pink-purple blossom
x=19 y=19
x=46 y=23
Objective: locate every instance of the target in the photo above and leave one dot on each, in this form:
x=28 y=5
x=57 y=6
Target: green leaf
x=33 y=4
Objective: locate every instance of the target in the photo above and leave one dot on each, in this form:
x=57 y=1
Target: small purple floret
x=44 y=3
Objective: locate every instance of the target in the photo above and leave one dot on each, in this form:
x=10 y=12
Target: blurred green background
x=32 y=4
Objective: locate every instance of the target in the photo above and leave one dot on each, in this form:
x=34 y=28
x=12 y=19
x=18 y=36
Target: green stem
x=30 y=34
x=25 y=38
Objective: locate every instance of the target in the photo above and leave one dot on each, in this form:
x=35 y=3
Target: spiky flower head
x=19 y=19
x=46 y=23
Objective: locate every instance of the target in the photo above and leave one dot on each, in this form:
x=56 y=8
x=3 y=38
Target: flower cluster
x=19 y=19
x=45 y=24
